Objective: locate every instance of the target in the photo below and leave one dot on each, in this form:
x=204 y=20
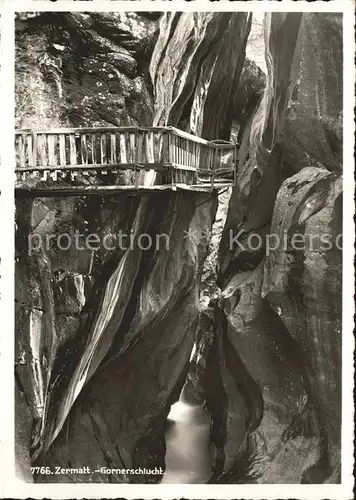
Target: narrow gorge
x=231 y=310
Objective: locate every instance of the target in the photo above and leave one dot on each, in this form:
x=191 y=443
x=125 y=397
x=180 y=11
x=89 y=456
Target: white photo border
x=10 y=485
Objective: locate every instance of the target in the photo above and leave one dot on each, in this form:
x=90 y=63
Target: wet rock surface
x=281 y=307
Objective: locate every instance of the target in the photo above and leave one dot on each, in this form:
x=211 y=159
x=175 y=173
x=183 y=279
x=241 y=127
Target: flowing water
x=188 y=456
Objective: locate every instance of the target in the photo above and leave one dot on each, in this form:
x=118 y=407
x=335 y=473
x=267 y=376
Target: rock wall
x=61 y=69
x=84 y=69
x=104 y=337
x=275 y=359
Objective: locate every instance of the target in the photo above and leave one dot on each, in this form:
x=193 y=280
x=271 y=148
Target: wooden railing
x=64 y=153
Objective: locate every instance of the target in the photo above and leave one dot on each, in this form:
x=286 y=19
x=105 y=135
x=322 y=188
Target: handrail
x=112 y=129
x=178 y=156
x=73 y=130
x=186 y=135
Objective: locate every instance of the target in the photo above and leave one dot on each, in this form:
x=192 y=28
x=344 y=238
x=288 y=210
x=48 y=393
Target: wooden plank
x=177 y=166
x=27 y=191
x=221 y=171
x=113 y=148
x=212 y=158
x=165 y=148
x=29 y=153
x=192 y=157
x=93 y=149
x=209 y=159
x=100 y=130
x=206 y=158
x=103 y=148
x=195 y=138
x=98 y=166
x=53 y=174
x=21 y=144
x=212 y=180
x=123 y=153
x=52 y=157
x=187 y=144
x=171 y=155
x=90 y=130
x=149 y=147
x=158 y=147
x=197 y=150
x=34 y=150
x=204 y=187
x=140 y=149
x=132 y=148
x=155 y=143
x=72 y=149
x=83 y=190
x=62 y=149
x=44 y=176
x=84 y=149
x=42 y=150
x=230 y=146
x=176 y=149
x=192 y=161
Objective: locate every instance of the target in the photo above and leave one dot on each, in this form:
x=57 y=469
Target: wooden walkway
x=82 y=161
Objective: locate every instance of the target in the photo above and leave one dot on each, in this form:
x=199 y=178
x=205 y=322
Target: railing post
x=73 y=149
x=113 y=149
x=123 y=154
x=103 y=149
x=51 y=144
x=22 y=151
x=84 y=149
x=34 y=150
x=52 y=157
x=93 y=149
x=62 y=149
x=132 y=154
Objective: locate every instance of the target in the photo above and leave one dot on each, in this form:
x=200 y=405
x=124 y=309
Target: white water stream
x=188 y=456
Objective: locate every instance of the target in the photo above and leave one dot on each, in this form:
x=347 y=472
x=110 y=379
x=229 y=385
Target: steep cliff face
x=275 y=359
x=84 y=69
x=104 y=337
